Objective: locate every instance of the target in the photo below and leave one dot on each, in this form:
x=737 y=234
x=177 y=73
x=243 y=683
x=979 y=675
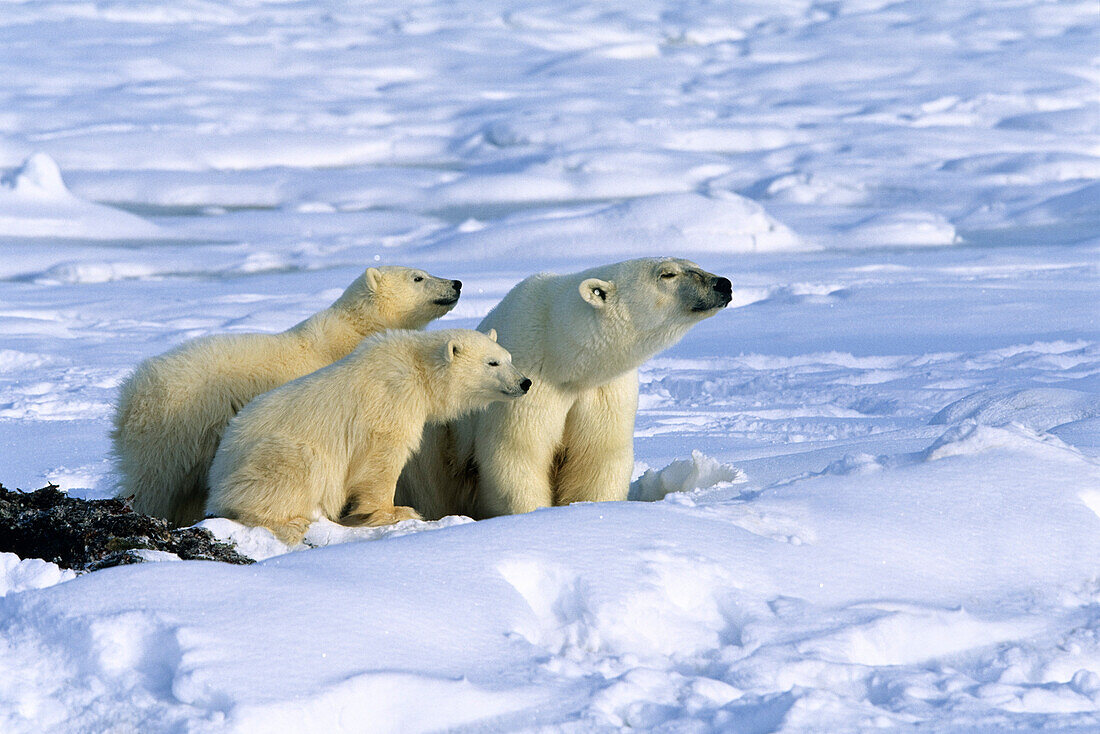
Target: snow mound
x=1081 y=205
x=724 y=222
x=698 y=473
x=808 y=605
x=260 y=543
x=686 y=475
x=34 y=202
x=94 y=272
x=902 y=229
x=682 y=223
x=1040 y=409
x=33 y=573
x=969 y=438
x=906 y=634
x=383 y=699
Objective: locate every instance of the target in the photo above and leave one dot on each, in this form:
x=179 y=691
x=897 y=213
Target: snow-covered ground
x=883 y=459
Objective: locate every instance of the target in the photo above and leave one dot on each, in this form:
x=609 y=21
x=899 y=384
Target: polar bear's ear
x=450 y=349
x=596 y=291
x=492 y=334
x=374 y=277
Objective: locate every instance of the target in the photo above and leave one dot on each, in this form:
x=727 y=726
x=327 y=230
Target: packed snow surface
x=867 y=495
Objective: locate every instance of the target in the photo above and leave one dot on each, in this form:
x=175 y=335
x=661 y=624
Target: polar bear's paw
x=289 y=531
x=381 y=516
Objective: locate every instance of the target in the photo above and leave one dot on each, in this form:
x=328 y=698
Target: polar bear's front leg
x=599 y=444
x=371 y=484
x=514 y=449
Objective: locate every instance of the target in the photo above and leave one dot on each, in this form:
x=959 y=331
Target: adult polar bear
x=580 y=338
x=172 y=410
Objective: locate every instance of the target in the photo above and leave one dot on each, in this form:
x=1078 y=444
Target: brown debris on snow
x=87 y=535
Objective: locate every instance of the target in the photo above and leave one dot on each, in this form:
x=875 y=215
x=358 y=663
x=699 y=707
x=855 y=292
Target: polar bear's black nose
x=457 y=285
x=724 y=286
x=526 y=384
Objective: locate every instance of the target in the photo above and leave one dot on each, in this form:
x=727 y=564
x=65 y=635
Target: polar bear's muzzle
x=718 y=295
x=518 y=389
x=451 y=298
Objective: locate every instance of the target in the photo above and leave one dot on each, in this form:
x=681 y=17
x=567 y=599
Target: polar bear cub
x=333 y=443
x=173 y=408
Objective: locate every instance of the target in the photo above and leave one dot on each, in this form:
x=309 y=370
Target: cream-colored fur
x=172 y=410
x=580 y=337
x=334 y=442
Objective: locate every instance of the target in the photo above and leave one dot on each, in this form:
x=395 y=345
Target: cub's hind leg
x=276 y=482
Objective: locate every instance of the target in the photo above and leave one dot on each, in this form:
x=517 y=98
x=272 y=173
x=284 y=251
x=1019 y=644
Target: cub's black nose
x=457 y=285
x=723 y=286
x=525 y=385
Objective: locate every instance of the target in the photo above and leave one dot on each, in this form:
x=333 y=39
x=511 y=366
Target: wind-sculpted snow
x=866 y=496
x=868 y=595
x=34 y=202
x=852 y=123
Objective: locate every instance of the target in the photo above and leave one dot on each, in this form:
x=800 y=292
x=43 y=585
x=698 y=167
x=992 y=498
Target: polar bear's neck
x=583 y=358
x=332 y=334
x=405 y=370
x=397 y=371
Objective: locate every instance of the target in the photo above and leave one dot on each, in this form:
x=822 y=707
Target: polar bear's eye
x=418 y=278
x=666 y=276
x=494 y=363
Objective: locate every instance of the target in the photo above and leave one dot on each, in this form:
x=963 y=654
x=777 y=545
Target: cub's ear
x=374 y=277
x=450 y=349
x=492 y=334
x=596 y=291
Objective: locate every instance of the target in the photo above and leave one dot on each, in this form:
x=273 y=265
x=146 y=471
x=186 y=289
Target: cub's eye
x=418 y=278
x=667 y=276
x=494 y=363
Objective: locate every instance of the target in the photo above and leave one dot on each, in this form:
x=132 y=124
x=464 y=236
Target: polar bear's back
x=173 y=408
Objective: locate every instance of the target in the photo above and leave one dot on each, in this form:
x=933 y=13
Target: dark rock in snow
x=87 y=535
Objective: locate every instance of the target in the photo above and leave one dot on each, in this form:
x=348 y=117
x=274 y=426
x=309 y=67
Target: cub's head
x=479 y=371
x=395 y=297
